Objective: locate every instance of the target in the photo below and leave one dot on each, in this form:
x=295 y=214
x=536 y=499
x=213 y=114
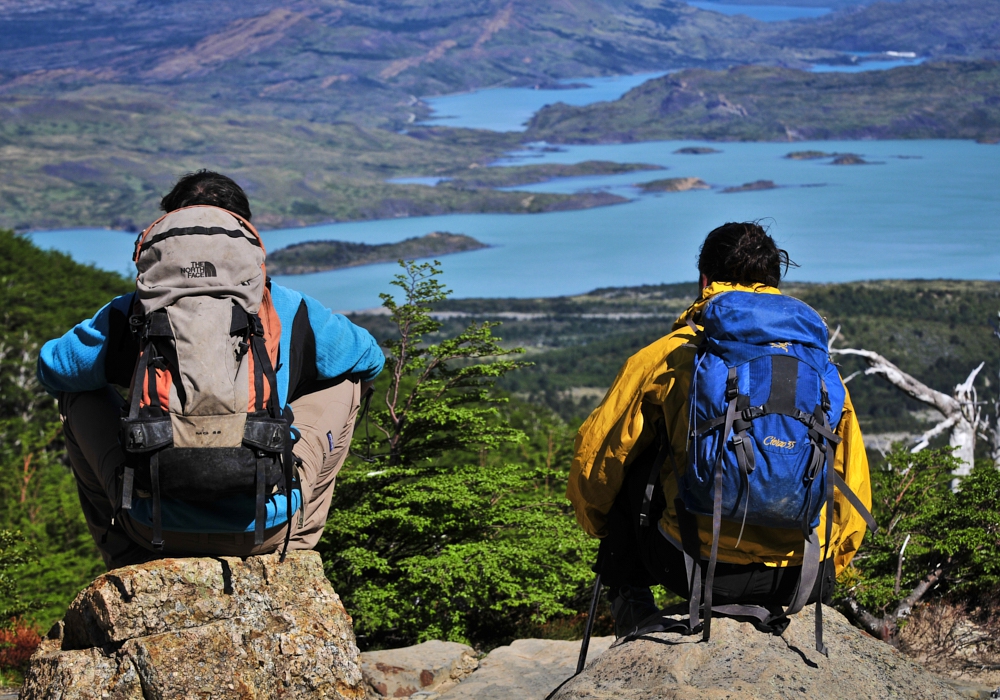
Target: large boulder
x=528 y=669
x=219 y=627
x=741 y=662
x=430 y=667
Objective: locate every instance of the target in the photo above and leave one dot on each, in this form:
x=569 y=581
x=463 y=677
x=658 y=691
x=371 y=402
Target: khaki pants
x=325 y=420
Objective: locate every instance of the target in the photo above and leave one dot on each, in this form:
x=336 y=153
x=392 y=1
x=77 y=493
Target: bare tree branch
x=945 y=404
x=926 y=438
x=833 y=338
x=961 y=412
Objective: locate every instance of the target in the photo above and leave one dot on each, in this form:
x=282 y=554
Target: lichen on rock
x=220 y=627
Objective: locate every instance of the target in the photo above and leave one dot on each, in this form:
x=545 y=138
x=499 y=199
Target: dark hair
x=743 y=253
x=207 y=187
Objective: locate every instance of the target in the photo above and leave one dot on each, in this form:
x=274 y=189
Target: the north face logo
x=199 y=269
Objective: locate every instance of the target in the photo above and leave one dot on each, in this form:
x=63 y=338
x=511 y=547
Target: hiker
x=242 y=393
x=741 y=389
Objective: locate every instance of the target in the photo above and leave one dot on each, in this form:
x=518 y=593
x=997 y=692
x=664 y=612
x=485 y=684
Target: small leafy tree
x=931 y=539
x=436 y=535
x=15 y=552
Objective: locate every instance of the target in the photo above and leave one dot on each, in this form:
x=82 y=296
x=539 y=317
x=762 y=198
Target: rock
x=754 y=186
x=849 y=159
x=528 y=669
x=674 y=184
x=430 y=667
x=808 y=155
x=219 y=627
x=741 y=662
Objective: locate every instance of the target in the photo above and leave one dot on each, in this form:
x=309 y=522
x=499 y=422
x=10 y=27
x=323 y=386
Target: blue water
x=867 y=65
x=764 y=13
x=508 y=109
x=929 y=216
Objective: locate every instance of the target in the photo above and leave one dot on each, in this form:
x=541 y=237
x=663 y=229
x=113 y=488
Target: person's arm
x=341 y=346
x=615 y=428
x=852 y=463
x=77 y=361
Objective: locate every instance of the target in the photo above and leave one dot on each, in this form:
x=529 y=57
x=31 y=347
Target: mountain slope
x=754 y=103
x=931 y=28
x=327 y=60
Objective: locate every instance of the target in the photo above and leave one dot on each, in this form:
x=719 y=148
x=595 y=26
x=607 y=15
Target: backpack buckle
x=139 y=325
x=808 y=418
x=136 y=437
x=256 y=326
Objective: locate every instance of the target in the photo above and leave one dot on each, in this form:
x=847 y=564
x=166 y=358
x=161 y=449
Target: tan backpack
x=204 y=420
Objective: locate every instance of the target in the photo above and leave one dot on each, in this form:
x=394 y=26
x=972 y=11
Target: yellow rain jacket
x=652 y=387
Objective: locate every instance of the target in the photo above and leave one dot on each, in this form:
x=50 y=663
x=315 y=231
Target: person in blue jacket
x=326 y=364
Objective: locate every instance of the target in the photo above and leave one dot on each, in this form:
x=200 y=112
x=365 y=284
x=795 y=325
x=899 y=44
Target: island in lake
x=849 y=159
x=838 y=158
x=673 y=184
x=808 y=155
x=697 y=151
x=752 y=187
x=321 y=256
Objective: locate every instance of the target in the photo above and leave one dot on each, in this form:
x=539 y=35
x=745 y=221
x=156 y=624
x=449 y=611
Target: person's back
x=663 y=511
x=218 y=359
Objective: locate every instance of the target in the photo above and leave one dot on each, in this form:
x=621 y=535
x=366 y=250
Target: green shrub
x=952 y=539
x=440 y=534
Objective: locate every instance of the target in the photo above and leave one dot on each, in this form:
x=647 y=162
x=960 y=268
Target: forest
x=450 y=522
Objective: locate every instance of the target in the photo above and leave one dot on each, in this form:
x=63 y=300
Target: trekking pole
x=582 y=661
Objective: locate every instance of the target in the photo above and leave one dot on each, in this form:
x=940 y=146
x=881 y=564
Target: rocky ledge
x=741 y=662
x=220 y=627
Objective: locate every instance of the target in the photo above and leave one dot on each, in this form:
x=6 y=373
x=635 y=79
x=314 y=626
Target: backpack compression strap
x=143 y=434
x=732 y=394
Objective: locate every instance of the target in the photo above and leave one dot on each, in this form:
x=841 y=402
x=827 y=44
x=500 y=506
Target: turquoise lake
x=921 y=209
x=764 y=13
x=931 y=213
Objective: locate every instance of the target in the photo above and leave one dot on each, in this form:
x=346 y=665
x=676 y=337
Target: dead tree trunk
x=886 y=627
x=960 y=411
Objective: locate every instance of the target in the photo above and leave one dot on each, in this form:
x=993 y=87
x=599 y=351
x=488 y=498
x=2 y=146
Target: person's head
x=207 y=187
x=742 y=253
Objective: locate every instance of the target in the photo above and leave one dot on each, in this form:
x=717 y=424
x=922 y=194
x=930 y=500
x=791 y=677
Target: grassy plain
x=104 y=160
x=938 y=330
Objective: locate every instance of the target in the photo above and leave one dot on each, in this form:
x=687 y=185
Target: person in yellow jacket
x=617 y=444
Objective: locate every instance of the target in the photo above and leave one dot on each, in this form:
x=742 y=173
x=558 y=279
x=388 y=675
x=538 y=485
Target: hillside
x=105 y=161
x=938 y=330
x=312 y=106
x=933 y=28
x=755 y=103
x=372 y=61
x=364 y=61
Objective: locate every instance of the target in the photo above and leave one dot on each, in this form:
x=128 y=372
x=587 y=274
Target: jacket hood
x=693 y=312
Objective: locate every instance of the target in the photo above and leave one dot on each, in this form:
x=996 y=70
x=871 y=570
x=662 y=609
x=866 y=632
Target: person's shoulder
x=284 y=293
x=668 y=352
x=123 y=303
x=287 y=302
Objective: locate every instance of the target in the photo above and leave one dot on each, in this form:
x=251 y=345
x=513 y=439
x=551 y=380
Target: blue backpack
x=764 y=406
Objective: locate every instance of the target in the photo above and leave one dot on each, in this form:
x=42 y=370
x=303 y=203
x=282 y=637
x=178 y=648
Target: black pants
x=636 y=555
